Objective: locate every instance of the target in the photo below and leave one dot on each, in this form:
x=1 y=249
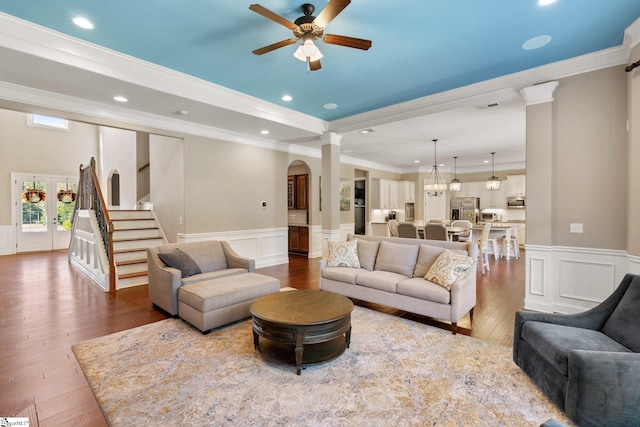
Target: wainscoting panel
x=268 y=246
x=634 y=264
x=7 y=247
x=315 y=241
x=571 y=280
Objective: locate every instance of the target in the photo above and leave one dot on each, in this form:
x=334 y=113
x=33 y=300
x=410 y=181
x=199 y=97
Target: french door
x=44 y=210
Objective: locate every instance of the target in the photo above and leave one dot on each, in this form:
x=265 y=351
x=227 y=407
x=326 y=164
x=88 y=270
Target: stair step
x=139 y=268
x=134 y=274
x=130 y=214
x=136 y=233
x=133 y=223
x=136 y=244
x=131 y=261
x=132 y=281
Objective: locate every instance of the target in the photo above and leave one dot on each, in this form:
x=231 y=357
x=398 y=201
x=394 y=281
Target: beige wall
x=633 y=157
x=166 y=174
x=590 y=160
x=27 y=149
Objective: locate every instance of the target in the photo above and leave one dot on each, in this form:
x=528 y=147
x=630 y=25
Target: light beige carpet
x=396 y=373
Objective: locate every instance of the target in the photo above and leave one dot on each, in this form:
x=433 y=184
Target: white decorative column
x=330 y=189
x=539 y=151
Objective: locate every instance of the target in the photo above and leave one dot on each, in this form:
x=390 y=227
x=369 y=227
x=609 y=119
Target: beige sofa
x=392 y=273
x=210 y=286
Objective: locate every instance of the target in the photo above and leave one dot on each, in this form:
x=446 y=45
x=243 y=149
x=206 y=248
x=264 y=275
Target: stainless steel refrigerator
x=464 y=207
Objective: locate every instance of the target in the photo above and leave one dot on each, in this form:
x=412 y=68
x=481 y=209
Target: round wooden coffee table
x=301 y=327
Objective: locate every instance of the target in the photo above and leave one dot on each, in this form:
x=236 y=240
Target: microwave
x=518 y=202
x=489 y=217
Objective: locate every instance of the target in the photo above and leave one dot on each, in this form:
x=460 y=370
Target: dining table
x=454 y=232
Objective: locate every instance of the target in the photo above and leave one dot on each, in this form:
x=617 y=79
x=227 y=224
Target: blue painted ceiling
x=419 y=47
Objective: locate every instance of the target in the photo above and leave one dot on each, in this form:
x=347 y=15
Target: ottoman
x=212 y=303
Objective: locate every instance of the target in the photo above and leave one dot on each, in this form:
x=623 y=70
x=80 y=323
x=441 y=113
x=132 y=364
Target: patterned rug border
x=161 y=373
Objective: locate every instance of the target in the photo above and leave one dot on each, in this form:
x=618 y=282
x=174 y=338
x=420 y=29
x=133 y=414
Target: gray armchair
x=587 y=363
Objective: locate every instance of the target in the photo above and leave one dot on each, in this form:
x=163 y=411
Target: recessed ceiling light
x=416 y=161
x=182 y=112
x=120 y=98
x=83 y=22
x=545 y=2
x=536 y=42
x=286 y=98
x=330 y=106
x=365 y=131
x=264 y=132
x=486 y=161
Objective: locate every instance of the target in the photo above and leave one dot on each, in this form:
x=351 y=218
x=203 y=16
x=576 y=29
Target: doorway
x=43 y=210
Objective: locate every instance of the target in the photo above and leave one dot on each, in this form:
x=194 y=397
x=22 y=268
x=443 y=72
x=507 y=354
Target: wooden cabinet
x=298 y=239
x=516 y=185
x=297 y=192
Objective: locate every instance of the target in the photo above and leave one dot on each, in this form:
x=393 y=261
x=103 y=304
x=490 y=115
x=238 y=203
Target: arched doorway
x=298 y=207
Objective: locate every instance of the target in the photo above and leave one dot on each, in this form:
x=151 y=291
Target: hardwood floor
x=46 y=306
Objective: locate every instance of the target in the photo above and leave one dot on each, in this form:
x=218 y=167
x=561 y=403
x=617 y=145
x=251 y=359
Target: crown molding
x=32 y=39
x=632 y=34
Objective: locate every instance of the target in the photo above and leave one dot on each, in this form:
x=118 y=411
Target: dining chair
x=435 y=231
x=408 y=229
x=510 y=244
x=465 y=236
x=393 y=227
x=484 y=243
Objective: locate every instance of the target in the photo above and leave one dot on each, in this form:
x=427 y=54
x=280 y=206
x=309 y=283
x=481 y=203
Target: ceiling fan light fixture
x=307 y=51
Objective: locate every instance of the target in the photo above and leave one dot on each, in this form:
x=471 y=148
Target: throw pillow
x=180 y=260
x=427 y=256
x=367 y=251
x=447 y=268
x=343 y=254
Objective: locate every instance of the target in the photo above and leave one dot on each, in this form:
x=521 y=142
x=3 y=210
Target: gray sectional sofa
x=205 y=283
x=392 y=273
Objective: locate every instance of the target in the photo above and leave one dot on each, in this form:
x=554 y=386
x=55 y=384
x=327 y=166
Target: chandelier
x=493 y=183
x=455 y=184
x=435 y=185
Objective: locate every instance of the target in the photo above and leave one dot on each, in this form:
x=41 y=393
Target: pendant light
x=455 y=184
x=435 y=185
x=493 y=183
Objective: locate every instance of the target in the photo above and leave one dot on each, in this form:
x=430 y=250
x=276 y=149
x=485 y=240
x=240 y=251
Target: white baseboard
x=569 y=279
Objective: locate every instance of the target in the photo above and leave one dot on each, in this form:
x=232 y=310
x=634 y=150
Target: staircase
x=133 y=232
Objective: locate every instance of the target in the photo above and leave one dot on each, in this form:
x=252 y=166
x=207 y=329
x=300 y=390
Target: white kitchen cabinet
x=471 y=189
x=516 y=185
x=493 y=199
x=406 y=192
x=385 y=196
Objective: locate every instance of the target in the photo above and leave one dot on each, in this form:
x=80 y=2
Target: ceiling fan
x=309 y=28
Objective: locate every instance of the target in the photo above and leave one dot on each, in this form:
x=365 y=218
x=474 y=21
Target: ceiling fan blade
x=274 y=46
x=273 y=16
x=314 y=65
x=330 y=11
x=347 y=41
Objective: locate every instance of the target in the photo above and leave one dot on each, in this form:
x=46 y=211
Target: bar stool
x=510 y=244
x=484 y=243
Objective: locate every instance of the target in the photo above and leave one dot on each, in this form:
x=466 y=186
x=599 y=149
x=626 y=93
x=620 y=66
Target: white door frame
x=54 y=238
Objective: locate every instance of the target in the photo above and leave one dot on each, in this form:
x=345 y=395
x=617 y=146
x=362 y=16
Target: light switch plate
x=575 y=227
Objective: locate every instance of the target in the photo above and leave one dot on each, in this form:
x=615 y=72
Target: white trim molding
x=7 y=242
x=267 y=247
x=561 y=279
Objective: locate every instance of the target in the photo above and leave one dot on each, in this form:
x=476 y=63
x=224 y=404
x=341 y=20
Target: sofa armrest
x=322 y=266
x=164 y=283
x=463 y=294
x=602 y=388
x=236 y=261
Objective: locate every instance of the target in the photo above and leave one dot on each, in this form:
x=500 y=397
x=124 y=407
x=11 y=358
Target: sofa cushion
x=342 y=274
x=213 y=275
x=427 y=256
x=554 y=342
x=210 y=295
x=397 y=258
x=180 y=260
x=343 y=254
x=447 y=268
x=424 y=289
x=380 y=279
x=208 y=254
x=367 y=252
x=624 y=323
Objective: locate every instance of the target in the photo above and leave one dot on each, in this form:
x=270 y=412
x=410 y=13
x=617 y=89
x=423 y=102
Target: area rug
x=397 y=372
